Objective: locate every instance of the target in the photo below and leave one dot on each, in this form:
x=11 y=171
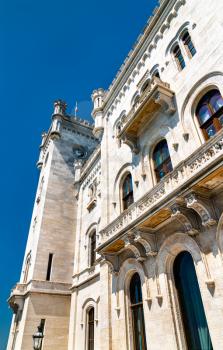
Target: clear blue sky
x=49 y=49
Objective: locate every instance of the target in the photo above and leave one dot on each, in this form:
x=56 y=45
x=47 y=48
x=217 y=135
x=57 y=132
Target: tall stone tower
x=43 y=294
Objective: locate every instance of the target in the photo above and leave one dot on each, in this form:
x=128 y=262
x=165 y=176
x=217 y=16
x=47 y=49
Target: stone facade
x=154 y=97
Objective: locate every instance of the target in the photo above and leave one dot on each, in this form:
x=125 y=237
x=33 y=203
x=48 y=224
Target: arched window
x=191 y=306
x=189 y=46
x=145 y=86
x=156 y=74
x=162 y=161
x=90 y=330
x=137 y=314
x=127 y=192
x=179 y=57
x=135 y=99
x=209 y=112
x=92 y=248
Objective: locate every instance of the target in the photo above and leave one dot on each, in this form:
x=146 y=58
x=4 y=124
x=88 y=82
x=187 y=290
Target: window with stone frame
x=92 y=247
x=209 y=112
x=127 y=192
x=162 y=160
x=137 y=313
x=178 y=56
x=90 y=329
x=156 y=74
x=188 y=44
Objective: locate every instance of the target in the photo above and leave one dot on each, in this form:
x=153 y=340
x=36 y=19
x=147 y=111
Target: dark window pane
x=91 y=329
x=92 y=248
x=127 y=192
x=189 y=44
x=211 y=131
x=216 y=102
x=179 y=57
x=204 y=113
x=191 y=306
x=49 y=267
x=210 y=113
x=137 y=313
x=162 y=161
x=221 y=119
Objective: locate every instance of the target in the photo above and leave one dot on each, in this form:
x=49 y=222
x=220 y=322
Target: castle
x=125 y=245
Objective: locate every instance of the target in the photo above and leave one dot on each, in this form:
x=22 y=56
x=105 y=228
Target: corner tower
x=42 y=295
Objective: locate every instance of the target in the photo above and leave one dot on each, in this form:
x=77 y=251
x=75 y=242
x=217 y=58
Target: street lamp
x=38 y=338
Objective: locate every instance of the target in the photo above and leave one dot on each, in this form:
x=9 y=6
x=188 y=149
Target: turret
x=58 y=114
x=97 y=113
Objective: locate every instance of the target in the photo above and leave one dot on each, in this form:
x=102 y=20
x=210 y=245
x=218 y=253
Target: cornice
x=146 y=42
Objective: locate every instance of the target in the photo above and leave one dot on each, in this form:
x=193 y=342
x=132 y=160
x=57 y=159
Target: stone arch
x=219 y=234
x=135 y=98
x=124 y=170
x=175 y=39
x=88 y=303
x=148 y=148
x=172 y=246
x=91 y=229
x=169 y=250
x=213 y=80
x=118 y=121
x=127 y=269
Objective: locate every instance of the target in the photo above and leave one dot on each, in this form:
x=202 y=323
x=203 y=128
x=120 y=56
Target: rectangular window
x=49 y=267
x=42 y=324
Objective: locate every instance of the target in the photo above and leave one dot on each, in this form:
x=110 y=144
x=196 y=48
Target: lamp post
x=38 y=338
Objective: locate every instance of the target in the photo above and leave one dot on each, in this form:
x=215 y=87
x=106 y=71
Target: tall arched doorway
x=191 y=305
x=137 y=314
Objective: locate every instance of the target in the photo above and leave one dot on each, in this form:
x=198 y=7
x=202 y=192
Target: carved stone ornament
x=131 y=141
x=194 y=202
x=178 y=213
x=79 y=152
x=129 y=244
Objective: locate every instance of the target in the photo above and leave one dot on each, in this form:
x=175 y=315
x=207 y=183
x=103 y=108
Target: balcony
x=157 y=96
x=201 y=172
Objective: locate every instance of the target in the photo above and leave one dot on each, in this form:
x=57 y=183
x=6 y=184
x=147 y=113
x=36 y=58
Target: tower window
x=191 y=51
x=49 y=267
x=162 y=161
x=127 y=192
x=179 y=57
x=137 y=314
x=209 y=112
x=92 y=248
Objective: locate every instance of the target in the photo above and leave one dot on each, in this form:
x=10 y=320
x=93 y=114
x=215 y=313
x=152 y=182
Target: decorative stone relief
x=129 y=244
x=178 y=212
x=193 y=201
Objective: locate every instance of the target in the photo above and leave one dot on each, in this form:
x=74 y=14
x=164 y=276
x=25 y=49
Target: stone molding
x=146 y=43
x=194 y=166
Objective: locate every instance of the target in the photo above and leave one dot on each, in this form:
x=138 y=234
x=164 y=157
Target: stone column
x=105 y=307
x=72 y=324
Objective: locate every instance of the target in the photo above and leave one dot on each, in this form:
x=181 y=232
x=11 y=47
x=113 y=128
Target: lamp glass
x=37 y=340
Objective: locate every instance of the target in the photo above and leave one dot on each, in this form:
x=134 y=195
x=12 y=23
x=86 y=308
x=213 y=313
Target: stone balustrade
x=194 y=166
